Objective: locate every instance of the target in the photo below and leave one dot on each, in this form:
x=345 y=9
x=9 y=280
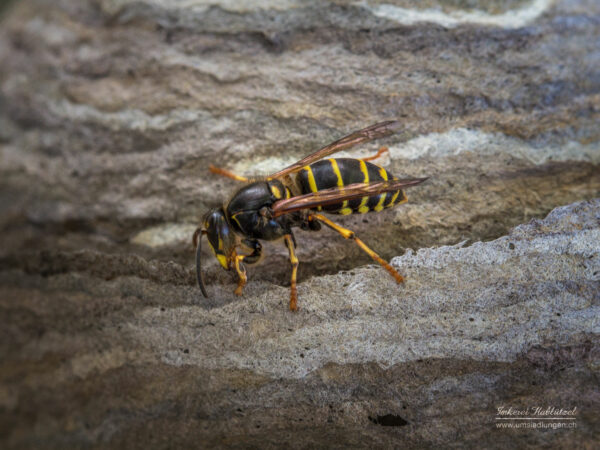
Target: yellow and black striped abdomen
x=339 y=172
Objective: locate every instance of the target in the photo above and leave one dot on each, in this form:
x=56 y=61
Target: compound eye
x=213 y=238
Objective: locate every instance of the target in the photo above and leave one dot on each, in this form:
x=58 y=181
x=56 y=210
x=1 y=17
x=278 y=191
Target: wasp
x=268 y=208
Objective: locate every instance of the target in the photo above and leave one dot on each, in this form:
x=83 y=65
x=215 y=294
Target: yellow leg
x=380 y=152
x=237 y=259
x=289 y=242
x=350 y=235
x=226 y=173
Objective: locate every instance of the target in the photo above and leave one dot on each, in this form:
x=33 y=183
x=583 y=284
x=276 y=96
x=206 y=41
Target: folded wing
x=337 y=195
x=376 y=131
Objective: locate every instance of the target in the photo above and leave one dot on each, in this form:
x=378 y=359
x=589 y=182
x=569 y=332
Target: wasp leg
x=256 y=254
x=289 y=242
x=252 y=258
x=380 y=152
x=227 y=173
x=239 y=268
x=350 y=235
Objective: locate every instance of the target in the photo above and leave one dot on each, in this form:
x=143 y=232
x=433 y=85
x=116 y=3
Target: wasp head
x=221 y=240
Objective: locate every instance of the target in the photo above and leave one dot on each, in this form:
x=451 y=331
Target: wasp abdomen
x=339 y=172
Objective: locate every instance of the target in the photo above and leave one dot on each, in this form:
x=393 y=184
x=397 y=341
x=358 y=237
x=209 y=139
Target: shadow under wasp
x=268 y=208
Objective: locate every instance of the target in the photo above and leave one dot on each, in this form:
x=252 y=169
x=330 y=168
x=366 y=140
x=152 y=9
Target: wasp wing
x=337 y=195
x=376 y=131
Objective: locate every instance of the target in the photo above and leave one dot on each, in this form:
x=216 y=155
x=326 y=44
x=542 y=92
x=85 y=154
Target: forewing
x=376 y=131
x=337 y=195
